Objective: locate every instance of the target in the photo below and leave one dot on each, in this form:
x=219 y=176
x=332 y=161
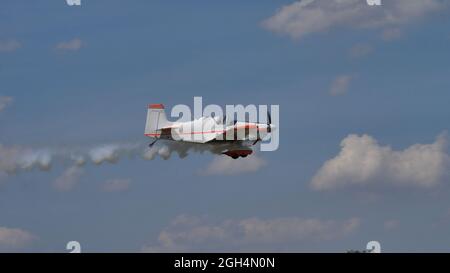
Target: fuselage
x=208 y=129
x=232 y=138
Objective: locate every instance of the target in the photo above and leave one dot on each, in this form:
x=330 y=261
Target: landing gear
x=235 y=154
x=151 y=144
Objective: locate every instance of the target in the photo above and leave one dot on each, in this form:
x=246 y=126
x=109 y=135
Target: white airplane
x=232 y=138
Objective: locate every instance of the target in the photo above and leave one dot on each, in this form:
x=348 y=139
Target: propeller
x=269 y=122
x=269 y=127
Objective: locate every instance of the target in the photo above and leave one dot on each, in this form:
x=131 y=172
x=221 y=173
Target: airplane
x=229 y=137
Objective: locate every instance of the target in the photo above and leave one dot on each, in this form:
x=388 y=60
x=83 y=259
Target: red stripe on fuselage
x=215 y=132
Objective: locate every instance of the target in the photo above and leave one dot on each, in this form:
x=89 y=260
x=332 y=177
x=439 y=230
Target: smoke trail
x=16 y=159
x=111 y=153
x=78 y=160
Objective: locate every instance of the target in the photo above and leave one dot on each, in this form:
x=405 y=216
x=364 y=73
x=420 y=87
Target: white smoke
x=17 y=159
x=111 y=153
x=78 y=160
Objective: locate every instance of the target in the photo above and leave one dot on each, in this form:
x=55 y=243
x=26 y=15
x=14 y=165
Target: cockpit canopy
x=224 y=121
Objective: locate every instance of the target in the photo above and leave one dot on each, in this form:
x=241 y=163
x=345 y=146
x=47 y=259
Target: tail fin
x=156 y=119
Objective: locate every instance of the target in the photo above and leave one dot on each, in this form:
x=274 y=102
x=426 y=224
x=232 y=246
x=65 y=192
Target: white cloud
x=72 y=45
x=116 y=185
x=360 y=50
x=224 y=165
x=69 y=179
x=13 y=238
x=340 y=85
x=362 y=161
x=188 y=233
x=5 y=102
x=9 y=45
x=310 y=16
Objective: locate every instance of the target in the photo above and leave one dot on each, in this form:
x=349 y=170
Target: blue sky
x=81 y=77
